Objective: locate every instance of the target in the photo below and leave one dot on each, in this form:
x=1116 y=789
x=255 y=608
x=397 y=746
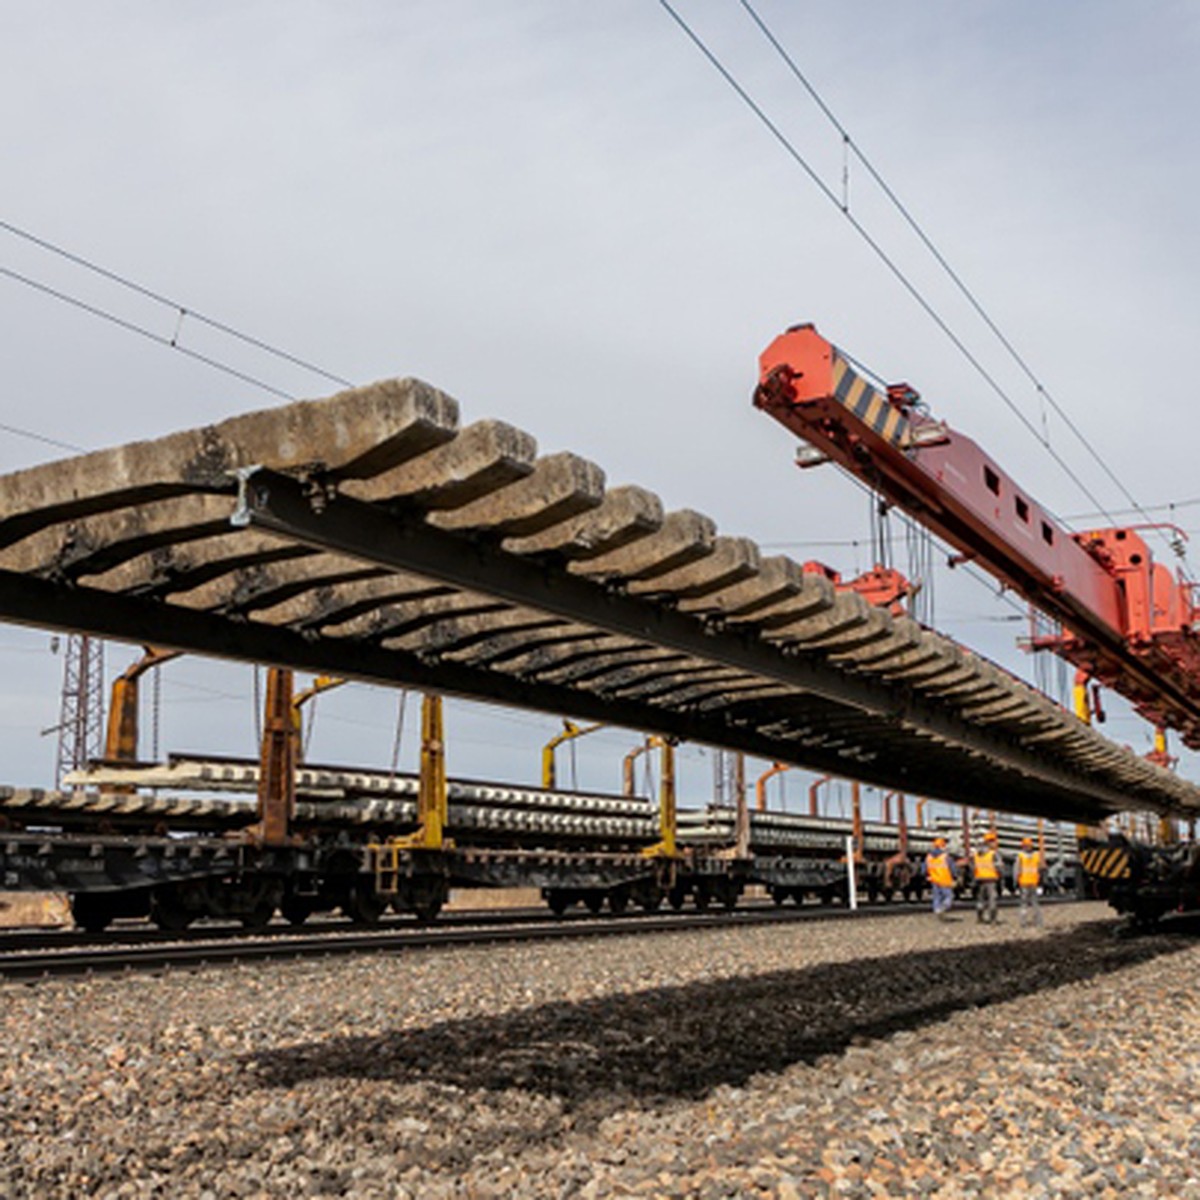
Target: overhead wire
x=1168 y=506
x=141 y=330
x=843 y=207
x=960 y=284
x=182 y=309
x=41 y=437
x=172 y=343
x=892 y=266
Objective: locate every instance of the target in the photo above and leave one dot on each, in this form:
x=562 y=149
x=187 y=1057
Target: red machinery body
x=1128 y=621
x=882 y=586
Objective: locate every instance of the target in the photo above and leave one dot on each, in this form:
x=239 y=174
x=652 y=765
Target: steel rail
x=122 y=959
x=145 y=933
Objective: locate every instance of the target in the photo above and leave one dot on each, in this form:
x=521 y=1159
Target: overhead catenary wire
x=850 y=146
x=172 y=343
x=892 y=266
x=967 y=293
x=142 y=331
x=1141 y=510
x=841 y=203
x=182 y=309
x=41 y=437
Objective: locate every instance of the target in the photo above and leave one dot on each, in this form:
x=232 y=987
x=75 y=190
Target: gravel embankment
x=894 y=1057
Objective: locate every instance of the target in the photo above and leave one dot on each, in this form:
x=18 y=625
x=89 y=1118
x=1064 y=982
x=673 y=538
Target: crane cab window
x=992 y=480
x=1022 y=508
x=1047 y=534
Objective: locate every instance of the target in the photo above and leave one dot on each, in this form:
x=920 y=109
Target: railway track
x=142 y=933
x=38 y=956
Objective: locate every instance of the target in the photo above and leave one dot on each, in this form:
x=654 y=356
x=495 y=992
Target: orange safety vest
x=937 y=867
x=1028 y=868
x=985 y=865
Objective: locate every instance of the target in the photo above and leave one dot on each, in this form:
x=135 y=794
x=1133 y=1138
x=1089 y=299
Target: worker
x=939 y=870
x=1028 y=872
x=986 y=865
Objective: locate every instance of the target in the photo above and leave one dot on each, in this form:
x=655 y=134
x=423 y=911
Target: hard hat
x=1027 y=841
x=990 y=836
x=939 y=841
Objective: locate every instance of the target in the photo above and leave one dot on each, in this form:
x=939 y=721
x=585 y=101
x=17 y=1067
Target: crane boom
x=1128 y=622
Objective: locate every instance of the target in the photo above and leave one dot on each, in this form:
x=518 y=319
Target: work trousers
x=985 y=900
x=1031 y=906
x=943 y=897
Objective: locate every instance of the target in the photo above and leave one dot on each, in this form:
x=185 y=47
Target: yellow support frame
x=570 y=731
x=432 y=803
x=277 y=762
x=666 y=848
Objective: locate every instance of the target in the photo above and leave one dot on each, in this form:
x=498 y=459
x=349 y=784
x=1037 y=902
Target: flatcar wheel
x=701 y=898
x=295 y=909
x=259 y=916
x=618 y=901
x=363 y=906
x=594 y=901
x=169 y=914
x=676 y=897
x=91 y=912
x=427 y=909
x=778 y=895
x=559 y=901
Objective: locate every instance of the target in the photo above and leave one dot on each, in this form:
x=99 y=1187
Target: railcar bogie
x=95 y=911
x=296 y=907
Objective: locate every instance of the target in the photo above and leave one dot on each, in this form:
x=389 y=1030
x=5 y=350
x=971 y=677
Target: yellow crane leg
x=432 y=804
x=121 y=740
x=570 y=731
x=742 y=824
x=277 y=761
x=1083 y=710
x=666 y=848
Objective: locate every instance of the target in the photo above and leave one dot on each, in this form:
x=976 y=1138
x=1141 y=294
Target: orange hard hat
x=990 y=836
x=939 y=841
x=1027 y=841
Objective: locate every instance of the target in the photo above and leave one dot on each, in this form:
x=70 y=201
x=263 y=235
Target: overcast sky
x=562 y=215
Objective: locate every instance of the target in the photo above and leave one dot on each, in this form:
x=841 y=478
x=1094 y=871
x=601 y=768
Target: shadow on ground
x=679 y=1043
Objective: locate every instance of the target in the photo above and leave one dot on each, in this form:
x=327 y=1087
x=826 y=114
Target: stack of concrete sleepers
x=330 y=796
x=371 y=536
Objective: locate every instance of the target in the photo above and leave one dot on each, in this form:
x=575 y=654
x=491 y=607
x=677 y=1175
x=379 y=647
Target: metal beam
x=403 y=541
x=906 y=762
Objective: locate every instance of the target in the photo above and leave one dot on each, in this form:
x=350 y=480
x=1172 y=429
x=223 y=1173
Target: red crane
x=1128 y=622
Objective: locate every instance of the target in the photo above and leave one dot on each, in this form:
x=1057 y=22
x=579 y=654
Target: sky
x=561 y=214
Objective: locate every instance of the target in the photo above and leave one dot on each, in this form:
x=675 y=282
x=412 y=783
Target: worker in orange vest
x=1028 y=872
x=986 y=867
x=939 y=870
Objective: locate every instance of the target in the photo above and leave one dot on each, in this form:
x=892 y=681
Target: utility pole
x=81 y=717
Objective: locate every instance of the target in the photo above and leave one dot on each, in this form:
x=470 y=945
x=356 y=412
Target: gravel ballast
x=881 y=1057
